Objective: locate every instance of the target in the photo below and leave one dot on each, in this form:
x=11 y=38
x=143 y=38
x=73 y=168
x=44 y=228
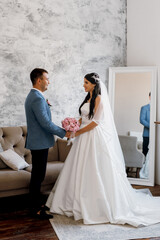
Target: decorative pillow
x=13 y=160
x=1 y=149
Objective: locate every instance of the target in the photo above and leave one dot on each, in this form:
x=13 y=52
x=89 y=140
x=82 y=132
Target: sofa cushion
x=2 y=164
x=14 y=138
x=13 y=160
x=63 y=149
x=52 y=172
x=53 y=153
x=26 y=153
x=10 y=179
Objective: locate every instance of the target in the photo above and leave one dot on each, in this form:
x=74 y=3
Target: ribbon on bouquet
x=71 y=139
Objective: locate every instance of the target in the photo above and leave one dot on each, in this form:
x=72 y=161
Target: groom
x=40 y=131
x=145 y=121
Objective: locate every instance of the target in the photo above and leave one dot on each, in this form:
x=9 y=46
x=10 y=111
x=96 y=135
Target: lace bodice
x=84 y=114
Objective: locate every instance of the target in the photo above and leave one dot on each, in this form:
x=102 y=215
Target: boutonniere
x=48 y=103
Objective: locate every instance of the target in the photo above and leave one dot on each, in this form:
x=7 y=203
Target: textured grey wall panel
x=69 y=38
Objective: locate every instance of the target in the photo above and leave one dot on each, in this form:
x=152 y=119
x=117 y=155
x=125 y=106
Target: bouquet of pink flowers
x=71 y=124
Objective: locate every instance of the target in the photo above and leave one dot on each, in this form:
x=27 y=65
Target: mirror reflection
x=132 y=93
x=132 y=116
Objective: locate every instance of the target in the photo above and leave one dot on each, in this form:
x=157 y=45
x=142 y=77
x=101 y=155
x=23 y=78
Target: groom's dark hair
x=36 y=73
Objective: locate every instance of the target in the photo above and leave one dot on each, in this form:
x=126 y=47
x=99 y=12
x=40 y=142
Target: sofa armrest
x=63 y=149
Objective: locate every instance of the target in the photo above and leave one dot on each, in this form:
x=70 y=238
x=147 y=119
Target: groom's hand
x=68 y=134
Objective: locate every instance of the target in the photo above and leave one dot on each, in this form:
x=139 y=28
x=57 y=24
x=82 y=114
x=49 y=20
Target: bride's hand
x=77 y=134
x=68 y=134
x=80 y=121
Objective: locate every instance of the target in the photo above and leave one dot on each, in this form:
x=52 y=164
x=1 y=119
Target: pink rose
x=70 y=124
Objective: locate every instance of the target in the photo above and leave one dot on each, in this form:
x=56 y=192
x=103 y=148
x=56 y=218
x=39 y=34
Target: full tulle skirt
x=93 y=188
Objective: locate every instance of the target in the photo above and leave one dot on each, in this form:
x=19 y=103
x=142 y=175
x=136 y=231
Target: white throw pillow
x=13 y=160
x=1 y=149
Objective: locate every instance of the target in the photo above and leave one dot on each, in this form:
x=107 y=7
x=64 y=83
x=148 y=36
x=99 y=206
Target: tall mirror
x=132 y=94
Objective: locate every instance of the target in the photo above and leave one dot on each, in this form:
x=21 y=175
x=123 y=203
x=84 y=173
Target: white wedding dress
x=144 y=172
x=93 y=185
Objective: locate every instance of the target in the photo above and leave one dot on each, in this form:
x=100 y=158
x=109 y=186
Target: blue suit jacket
x=145 y=119
x=40 y=128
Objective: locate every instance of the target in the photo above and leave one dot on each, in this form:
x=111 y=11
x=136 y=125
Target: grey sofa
x=17 y=182
x=132 y=156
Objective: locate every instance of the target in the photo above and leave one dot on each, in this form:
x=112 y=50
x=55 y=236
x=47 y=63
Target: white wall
x=143 y=47
x=143 y=32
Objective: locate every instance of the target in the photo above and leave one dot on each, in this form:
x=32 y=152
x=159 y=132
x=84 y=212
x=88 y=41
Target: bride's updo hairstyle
x=94 y=79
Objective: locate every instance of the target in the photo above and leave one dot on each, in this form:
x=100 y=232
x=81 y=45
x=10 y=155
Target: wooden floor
x=16 y=224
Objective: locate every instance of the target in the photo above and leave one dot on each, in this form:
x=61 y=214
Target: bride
x=93 y=185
